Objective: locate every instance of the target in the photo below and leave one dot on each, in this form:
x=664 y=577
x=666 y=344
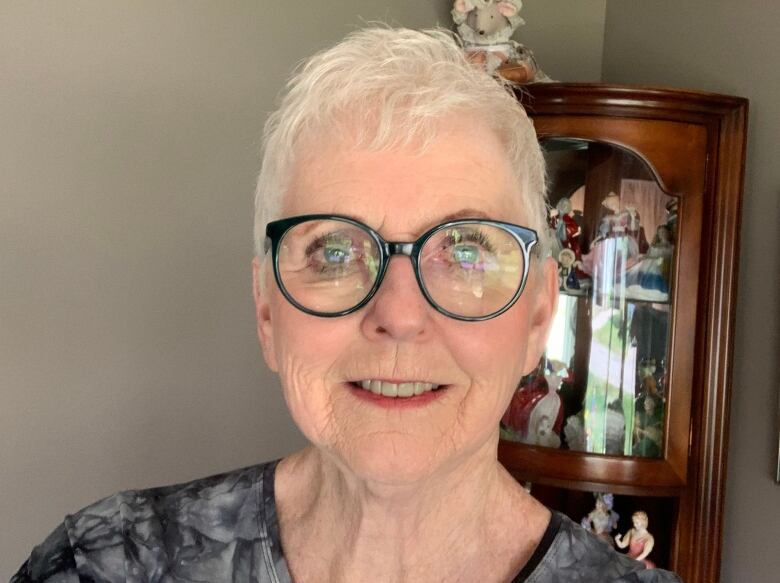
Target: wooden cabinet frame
x=695 y=144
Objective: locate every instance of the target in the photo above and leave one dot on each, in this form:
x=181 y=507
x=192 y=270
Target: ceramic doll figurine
x=602 y=520
x=638 y=540
x=649 y=279
x=516 y=420
x=612 y=251
x=610 y=208
x=544 y=435
x=550 y=404
x=648 y=427
x=671 y=217
x=567 y=275
x=574 y=433
x=537 y=396
x=648 y=384
x=647 y=367
x=635 y=229
x=567 y=230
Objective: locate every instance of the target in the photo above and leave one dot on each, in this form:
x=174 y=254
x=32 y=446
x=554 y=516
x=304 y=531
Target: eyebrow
x=467 y=213
x=462 y=214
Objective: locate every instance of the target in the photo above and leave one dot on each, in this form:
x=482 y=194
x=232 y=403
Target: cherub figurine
x=638 y=540
x=602 y=520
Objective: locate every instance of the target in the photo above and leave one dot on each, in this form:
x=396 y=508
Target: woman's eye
x=336 y=254
x=465 y=254
x=466 y=249
x=332 y=255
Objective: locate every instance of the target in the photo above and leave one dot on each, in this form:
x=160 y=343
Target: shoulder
x=140 y=532
x=578 y=555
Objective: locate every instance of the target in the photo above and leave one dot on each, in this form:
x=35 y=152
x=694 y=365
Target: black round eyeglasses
x=467 y=269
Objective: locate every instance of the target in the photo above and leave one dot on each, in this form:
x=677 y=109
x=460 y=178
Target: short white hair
x=387 y=88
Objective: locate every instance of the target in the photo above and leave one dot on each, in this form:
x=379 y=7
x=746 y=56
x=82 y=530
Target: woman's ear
x=543 y=289
x=265 y=327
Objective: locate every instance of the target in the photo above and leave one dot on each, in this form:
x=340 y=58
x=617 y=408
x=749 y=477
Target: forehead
x=463 y=172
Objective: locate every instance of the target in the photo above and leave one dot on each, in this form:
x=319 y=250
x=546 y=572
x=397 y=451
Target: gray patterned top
x=224 y=528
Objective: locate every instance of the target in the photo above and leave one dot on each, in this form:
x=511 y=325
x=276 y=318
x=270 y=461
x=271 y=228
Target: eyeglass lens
x=470 y=269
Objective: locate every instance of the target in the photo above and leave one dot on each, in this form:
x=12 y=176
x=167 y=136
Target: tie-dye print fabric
x=224 y=529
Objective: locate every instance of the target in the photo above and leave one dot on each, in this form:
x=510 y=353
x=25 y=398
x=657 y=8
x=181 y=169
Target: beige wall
x=128 y=150
x=730 y=47
x=567 y=37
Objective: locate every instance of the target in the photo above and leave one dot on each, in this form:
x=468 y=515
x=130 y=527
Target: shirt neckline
x=272 y=541
x=541 y=549
x=276 y=564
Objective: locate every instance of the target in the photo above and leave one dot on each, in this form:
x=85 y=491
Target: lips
x=396 y=390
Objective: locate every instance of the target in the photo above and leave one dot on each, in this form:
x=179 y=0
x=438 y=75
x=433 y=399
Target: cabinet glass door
x=601 y=386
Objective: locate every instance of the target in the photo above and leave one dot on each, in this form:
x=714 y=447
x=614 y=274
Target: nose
x=398 y=310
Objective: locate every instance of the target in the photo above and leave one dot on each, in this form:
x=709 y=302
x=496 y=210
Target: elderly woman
x=401 y=294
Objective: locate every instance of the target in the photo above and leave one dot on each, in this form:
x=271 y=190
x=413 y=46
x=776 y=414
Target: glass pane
x=601 y=387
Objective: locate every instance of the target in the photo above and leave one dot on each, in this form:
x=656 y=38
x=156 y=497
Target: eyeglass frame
x=275 y=231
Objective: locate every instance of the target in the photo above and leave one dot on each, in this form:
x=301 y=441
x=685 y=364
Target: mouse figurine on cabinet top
x=486 y=28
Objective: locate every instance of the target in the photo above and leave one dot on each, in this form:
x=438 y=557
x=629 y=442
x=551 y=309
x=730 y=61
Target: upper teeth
x=397 y=390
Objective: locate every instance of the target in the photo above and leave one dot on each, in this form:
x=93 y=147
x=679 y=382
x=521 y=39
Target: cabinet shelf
x=590 y=472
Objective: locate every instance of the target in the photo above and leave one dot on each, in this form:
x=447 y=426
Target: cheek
x=492 y=354
x=307 y=349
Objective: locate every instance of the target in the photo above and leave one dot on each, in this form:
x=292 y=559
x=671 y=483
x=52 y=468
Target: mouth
x=401 y=390
x=390 y=394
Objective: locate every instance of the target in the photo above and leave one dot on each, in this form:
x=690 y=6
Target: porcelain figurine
x=567 y=230
x=635 y=229
x=536 y=397
x=516 y=419
x=648 y=427
x=612 y=251
x=546 y=415
x=544 y=435
x=574 y=433
x=486 y=28
x=567 y=275
x=602 y=520
x=649 y=279
x=552 y=232
x=638 y=540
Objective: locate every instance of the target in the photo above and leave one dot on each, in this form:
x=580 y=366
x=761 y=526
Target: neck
x=431 y=529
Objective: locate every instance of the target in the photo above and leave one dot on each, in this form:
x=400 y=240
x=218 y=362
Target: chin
x=393 y=459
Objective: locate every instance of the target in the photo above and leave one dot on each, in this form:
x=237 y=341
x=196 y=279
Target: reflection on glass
x=601 y=387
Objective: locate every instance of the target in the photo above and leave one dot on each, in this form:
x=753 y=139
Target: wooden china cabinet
x=632 y=397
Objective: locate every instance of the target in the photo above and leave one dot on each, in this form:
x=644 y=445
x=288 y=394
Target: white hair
x=387 y=88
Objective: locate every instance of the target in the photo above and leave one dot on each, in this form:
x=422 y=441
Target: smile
x=398 y=390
